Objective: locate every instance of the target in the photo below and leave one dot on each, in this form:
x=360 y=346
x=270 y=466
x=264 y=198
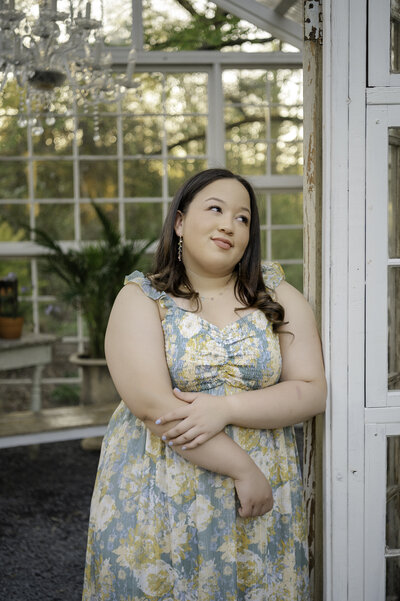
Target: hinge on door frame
x=313 y=20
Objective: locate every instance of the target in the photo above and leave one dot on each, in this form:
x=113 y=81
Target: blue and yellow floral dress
x=163 y=529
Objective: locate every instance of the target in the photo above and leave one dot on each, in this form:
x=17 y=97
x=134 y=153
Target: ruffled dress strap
x=273 y=275
x=144 y=283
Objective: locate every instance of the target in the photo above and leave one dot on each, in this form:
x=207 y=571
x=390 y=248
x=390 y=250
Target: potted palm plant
x=92 y=275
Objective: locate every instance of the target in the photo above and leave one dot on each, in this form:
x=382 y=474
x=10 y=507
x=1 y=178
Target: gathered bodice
x=243 y=355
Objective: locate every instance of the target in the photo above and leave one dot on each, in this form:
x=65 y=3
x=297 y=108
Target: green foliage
x=205 y=27
x=92 y=274
x=65 y=394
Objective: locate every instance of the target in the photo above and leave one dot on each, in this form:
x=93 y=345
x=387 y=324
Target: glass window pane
x=22 y=269
x=14 y=180
x=53 y=179
x=395 y=36
x=287 y=244
x=55 y=139
x=262 y=204
x=13 y=139
x=179 y=171
x=287 y=158
x=98 y=179
x=86 y=135
x=91 y=227
x=12 y=217
x=186 y=93
x=56 y=220
x=143 y=220
x=394 y=327
x=393 y=519
x=117 y=20
x=168 y=26
x=263 y=121
x=49 y=284
x=142 y=135
x=394 y=193
x=143 y=178
x=294 y=275
x=186 y=135
x=287 y=209
x=147 y=98
x=58 y=318
x=246 y=158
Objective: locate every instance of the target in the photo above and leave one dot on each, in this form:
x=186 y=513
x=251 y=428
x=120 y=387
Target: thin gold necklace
x=220 y=293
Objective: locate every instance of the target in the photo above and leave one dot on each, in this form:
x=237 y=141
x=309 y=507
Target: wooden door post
x=312 y=212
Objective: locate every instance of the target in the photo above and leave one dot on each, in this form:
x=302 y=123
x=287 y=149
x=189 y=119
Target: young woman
x=198 y=495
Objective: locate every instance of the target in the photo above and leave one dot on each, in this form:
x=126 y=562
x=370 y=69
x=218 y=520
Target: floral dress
x=163 y=529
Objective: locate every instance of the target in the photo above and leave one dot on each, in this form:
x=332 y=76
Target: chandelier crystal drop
x=58 y=49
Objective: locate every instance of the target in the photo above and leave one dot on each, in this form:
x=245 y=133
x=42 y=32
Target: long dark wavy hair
x=169 y=274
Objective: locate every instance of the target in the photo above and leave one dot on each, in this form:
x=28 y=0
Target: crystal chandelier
x=58 y=49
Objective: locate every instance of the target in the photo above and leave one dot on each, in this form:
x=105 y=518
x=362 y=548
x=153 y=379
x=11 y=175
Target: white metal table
x=32 y=350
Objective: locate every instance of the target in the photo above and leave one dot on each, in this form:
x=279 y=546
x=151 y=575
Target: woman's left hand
x=201 y=419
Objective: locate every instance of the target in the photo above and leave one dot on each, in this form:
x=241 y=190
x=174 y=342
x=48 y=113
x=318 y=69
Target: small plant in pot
x=11 y=318
x=92 y=275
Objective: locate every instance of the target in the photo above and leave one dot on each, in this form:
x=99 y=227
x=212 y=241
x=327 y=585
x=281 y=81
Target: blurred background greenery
x=150 y=142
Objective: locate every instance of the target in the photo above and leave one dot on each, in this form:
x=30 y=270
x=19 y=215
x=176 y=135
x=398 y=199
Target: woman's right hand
x=254 y=492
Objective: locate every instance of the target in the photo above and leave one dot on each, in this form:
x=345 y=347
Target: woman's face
x=215 y=228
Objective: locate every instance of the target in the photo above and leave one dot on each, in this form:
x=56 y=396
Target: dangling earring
x=180 y=248
x=239 y=268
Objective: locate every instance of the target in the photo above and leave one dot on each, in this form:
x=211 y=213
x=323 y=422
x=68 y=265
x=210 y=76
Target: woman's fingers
x=181 y=413
x=174 y=438
x=188 y=397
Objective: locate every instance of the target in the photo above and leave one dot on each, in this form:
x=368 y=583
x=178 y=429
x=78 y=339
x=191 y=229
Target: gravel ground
x=45 y=493
x=44 y=511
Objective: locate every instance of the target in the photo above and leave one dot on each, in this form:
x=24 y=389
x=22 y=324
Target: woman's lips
x=222 y=243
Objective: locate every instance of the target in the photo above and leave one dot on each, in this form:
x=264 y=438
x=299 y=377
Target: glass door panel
x=394 y=328
x=393 y=283
x=395 y=36
x=394 y=193
x=392 y=551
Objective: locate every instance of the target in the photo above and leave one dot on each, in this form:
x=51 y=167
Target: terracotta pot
x=97 y=385
x=11 y=327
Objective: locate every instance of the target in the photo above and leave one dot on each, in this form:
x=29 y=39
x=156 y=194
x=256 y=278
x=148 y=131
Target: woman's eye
x=215 y=208
x=243 y=218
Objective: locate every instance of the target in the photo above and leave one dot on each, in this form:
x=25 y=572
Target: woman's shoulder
x=273 y=275
x=144 y=283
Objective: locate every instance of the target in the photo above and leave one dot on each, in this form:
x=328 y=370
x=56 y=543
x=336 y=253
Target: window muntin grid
x=392 y=545
x=394 y=260
x=144 y=143
x=263 y=121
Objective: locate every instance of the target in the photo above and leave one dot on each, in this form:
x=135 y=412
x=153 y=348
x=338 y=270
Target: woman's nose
x=227 y=229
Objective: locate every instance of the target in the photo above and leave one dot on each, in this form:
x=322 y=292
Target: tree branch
x=229 y=127
x=189 y=7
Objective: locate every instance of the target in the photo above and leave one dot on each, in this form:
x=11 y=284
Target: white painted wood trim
x=53 y=436
x=344 y=203
x=137 y=24
x=327 y=168
x=381 y=95
x=356 y=296
x=382 y=415
x=216 y=121
x=375 y=512
x=335 y=182
x=376 y=256
x=379 y=43
x=266 y=18
x=160 y=59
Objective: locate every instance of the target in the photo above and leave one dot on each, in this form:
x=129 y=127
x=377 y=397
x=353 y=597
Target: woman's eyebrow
x=223 y=201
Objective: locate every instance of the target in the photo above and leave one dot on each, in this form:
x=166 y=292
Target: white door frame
x=344 y=85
